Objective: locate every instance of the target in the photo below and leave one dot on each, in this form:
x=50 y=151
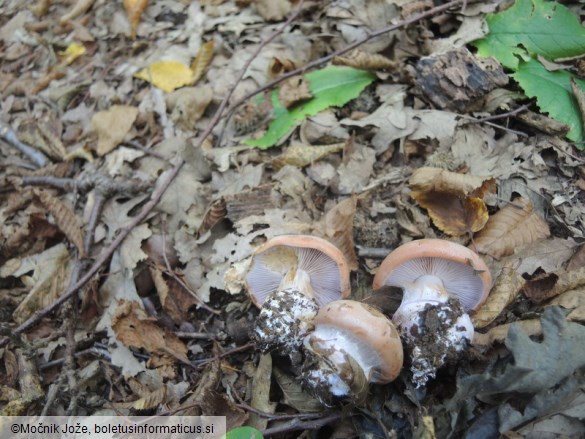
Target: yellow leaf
x=167 y=75
x=73 y=51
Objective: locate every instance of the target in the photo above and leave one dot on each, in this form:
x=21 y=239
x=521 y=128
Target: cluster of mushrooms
x=339 y=346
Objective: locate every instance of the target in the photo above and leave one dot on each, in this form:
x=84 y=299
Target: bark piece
x=457 y=80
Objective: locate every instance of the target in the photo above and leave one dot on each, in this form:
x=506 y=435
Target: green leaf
x=553 y=93
x=541 y=28
x=244 y=433
x=331 y=87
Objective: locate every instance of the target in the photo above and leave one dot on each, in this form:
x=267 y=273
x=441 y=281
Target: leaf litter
x=146 y=208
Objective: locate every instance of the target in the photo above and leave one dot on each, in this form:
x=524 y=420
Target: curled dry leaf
x=214 y=214
x=553 y=284
x=573 y=300
x=294 y=91
x=261 y=392
x=65 y=219
x=81 y=7
x=363 y=60
x=337 y=227
x=134 y=10
x=174 y=299
x=133 y=328
x=279 y=66
x=201 y=61
x=300 y=155
x=454 y=201
x=505 y=290
x=512 y=227
x=499 y=333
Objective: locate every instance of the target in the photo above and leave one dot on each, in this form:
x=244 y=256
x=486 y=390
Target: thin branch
x=297 y=424
x=503 y=115
x=36 y=156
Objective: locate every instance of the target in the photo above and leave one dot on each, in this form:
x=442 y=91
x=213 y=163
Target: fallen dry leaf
x=512 y=227
x=134 y=10
x=51 y=270
x=294 y=91
x=300 y=155
x=112 y=126
x=337 y=227
x=454 y=201
x=573 y=300
x=552 y=284
x=261 y=392
x=505 y=290
x=201 y=61
x=363 y=60
x=81 y=7
x=64 y=218
x=134 y=329
x=272 y=10
x=174 y=299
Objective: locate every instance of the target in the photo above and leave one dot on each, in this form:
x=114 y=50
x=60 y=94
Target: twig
x=242 y=348
x=503 y=115
x=372 y=252
x=327 y=58
x=36 y=156
x=297 y=424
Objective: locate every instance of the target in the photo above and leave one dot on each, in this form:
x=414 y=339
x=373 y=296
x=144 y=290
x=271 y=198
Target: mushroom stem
x=434 y=327
x=298 y=279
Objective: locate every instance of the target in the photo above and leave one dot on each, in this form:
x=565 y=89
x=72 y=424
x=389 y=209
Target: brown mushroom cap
x=372 y=328
x=463 y=273
x=284 y=259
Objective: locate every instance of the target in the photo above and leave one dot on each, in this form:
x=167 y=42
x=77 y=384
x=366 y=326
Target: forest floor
x=138 y=176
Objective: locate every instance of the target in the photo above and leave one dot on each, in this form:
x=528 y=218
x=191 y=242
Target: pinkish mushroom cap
x=312 y=265
x=463 y=273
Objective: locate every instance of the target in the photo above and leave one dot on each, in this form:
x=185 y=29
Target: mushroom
x=441 y=281
x=312 y=265
x=290 y=276
x=353 y=344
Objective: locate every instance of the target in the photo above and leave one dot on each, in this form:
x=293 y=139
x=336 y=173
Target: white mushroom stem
x=434 y=326
x=298 y=279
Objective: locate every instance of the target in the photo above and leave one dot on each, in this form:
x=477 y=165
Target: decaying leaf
x=174 y=299
x=214 y=214
x=337 y=227
x=454 y=201
x=363 y=60
x=573 y=300
x=552 y=284
x=301 y=155
x=50 y=273
x=167 y=75
x=294 y=91
x=279 y=66
x=536 y=366
x=294 y=395
x=261 y=392
x=64 y=217
x=272 y=10
x=201 y=61
x=133 y=328
x=505 y=290
x=134 y=10
x=112 y=126
x=81 y=7
x=511 y=228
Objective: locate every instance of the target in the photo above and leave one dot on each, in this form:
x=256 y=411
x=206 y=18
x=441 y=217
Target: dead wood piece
x=9 y=136
x=457 y=80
